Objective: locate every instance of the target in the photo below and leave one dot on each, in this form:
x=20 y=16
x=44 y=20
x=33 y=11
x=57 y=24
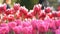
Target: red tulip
x=50 y=15
x=29 y=15
x=10 y=17
x=48 y=9
x=5 y=17
x=42 y=15
x=58 y=8
x=58 y=14
x=37 y=8
x=23 y=10
x=16 y=7
x=18 y=15
x=3 y=8
x=7 y=12
x=54 y=14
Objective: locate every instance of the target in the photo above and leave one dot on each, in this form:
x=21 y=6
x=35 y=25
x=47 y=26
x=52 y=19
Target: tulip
x=42 y=15
x=16 y=7
x=18 y=22
x=34 y=24
x=42 y=26
x=37 y=8
x=4 y=30
x=23 y=10
x=10 y=17
x=7 y=12
x=18 y=15
x=48 y=9
x=57 y=31
x=26 y=23
x=21 y=28
x=27 y=30
x=57 y=23
x=4 y=24
x=58 y=14
x=58 y=8
x=16 y=30
x=3 y=8
x=12 y=24
x=50 y=15
x=52 y=24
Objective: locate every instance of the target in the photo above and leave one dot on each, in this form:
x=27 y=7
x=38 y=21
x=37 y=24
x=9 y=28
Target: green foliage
x=28 y=3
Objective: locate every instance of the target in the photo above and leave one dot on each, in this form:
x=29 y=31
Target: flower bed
x=20 y=20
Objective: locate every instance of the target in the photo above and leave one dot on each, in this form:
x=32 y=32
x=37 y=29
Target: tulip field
x=19 y=20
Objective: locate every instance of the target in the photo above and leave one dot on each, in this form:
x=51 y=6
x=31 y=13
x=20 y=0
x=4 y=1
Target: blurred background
x=30 y=3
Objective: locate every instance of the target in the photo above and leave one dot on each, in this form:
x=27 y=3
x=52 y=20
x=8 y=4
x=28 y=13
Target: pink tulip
x=57 y=23
x=4 y=24
x=16 y=30
x=12 y=24
x=4 y=30
x=20 y=28
x=18 y=22
x=26 y=23
x=42 y=26
x=57 y=31
x=34 y=31
x=27 y=30
x=34 y=24
x=52 y=24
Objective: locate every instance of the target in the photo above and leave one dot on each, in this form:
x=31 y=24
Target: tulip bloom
x=16 y=7
x=16 y=30
x=4 y=30
x=48 y=9
x=57 y=31
x=27 y=30
x=12 y=24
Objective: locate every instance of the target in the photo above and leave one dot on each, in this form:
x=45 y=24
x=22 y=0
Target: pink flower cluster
x=31 y=27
